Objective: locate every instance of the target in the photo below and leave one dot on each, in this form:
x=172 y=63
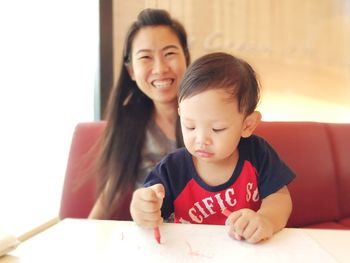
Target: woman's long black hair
x=127 y=114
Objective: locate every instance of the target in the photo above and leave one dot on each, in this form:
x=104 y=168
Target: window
x=48 y=78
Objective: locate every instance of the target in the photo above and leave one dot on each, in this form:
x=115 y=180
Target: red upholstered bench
x=319 y=153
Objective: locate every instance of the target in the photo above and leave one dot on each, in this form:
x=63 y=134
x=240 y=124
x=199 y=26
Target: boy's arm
x=277 y=208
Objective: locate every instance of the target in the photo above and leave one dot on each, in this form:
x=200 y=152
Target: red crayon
x=226 y=212
x=156 y=233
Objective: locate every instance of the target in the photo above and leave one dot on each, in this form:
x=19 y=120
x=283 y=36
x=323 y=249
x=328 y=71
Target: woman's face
x=158 y=63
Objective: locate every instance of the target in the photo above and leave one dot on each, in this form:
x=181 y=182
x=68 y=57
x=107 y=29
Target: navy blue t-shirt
x=259 y=172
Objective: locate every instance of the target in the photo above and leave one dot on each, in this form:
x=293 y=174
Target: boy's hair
x=222 y=71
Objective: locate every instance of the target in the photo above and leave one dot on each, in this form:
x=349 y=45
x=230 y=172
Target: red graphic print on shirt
x=199 y=206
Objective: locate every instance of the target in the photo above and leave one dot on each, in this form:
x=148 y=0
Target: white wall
x=303 y=64
x=48 y=74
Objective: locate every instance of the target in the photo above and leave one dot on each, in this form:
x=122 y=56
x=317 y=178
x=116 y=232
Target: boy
x=223 y=165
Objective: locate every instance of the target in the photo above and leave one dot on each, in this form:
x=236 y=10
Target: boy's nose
x=203 y=139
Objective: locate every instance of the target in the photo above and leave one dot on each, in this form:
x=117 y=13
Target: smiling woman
x=48 y=71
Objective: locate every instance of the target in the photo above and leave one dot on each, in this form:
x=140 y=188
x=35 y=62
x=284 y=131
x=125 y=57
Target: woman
x=142 y=110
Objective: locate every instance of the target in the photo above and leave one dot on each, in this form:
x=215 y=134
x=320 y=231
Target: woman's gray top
x=156 y=146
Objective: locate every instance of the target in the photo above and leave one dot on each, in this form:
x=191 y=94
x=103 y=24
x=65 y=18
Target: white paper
x=200 y=243
x=121 y=241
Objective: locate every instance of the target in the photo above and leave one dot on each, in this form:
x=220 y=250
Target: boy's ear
x=250 y=123
x=178 y=111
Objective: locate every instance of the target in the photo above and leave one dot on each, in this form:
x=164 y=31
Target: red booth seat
x=319 y=153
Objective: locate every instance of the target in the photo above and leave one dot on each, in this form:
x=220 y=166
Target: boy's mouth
x=204 y=154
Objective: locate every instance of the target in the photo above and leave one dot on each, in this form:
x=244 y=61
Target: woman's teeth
x=161 y=84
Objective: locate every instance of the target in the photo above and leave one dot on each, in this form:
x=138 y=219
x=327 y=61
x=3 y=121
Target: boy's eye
x=219 y=130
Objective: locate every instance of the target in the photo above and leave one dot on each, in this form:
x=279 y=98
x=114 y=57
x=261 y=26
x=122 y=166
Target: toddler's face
x=211 y=125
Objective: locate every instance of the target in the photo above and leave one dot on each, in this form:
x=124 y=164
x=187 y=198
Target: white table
x=80 y=240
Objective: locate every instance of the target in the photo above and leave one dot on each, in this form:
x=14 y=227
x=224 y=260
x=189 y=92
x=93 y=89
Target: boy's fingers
x=234 y=216
x=158 y=190
x=150 y=194
x=145 y=205
x=148 y=206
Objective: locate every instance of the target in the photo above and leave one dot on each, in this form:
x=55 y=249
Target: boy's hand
x=249 y=225
x=145 y=205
